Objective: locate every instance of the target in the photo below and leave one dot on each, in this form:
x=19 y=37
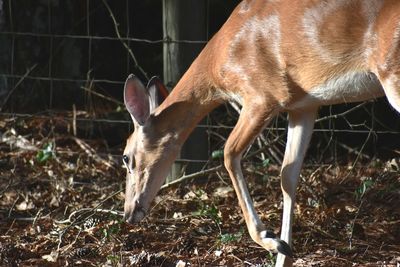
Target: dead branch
x=86 y=211
x=191 y=176
x=91 y=152
x=122 y=41
x=340 y=115
x=16 y=86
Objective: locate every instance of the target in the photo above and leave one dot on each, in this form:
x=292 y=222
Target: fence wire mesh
x=70 y=59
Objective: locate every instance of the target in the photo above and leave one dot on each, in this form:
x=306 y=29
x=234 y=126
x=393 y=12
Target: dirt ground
x=61 y=199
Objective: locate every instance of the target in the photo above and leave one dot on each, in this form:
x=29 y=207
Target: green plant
x=46 y=153
x=366 y=184
x=228 y=238
x=271 y=259
x=266 y=163
x=113 y=260
x=209 y=211
x=114 y=228
x=217 y=154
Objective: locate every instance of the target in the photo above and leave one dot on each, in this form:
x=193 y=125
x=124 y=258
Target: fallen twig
x=86 y=211
x=91 y=152
x=191 y=176
x=354 y=151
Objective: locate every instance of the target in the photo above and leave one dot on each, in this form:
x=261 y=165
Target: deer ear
x=157 y=91
x=136 y=100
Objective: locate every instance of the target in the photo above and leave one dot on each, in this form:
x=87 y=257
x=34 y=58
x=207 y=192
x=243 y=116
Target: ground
x=61 y=199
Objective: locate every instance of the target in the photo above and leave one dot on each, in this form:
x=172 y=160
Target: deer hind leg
x=251 y=121
x=301 y=125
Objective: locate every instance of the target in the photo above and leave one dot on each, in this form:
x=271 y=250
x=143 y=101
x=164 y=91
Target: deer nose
x=134 y=215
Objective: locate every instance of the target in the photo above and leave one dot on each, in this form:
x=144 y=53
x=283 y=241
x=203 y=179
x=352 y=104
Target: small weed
x=269 y=261
x=46 y=153
x=229 y=238
x=262 y=166
x=209 y=211
x=266 y=163
x=113 y=229
x=113 y=260
x=200 y=194
x=366 y=184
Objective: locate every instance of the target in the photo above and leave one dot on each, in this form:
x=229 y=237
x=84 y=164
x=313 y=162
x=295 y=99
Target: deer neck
x=190 y=101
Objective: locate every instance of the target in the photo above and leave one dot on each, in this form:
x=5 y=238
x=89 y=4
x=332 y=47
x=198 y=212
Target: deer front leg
x=251 y=121
x=301 y=124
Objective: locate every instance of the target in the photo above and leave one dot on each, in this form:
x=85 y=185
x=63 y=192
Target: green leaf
x=217 y=154
x=228 y=238
x=46 y=153
x=363 y=188
x=266 y=162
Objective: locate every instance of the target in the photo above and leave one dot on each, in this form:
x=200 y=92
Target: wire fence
x=58 y=55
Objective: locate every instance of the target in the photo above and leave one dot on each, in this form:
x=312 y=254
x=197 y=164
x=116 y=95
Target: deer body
x=271 y=57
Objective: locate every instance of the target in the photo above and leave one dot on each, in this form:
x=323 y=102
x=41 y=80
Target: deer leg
x=301 y=124
x=251 y=121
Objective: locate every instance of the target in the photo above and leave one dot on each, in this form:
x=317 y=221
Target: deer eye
x=129 y=163
x=125 y=159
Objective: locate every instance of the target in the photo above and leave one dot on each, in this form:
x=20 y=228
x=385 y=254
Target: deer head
x=146 y=166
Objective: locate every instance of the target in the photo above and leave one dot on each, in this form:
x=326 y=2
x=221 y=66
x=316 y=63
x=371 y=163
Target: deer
x=271 y=57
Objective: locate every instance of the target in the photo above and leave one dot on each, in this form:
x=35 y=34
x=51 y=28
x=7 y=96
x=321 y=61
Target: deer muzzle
x=134 y=213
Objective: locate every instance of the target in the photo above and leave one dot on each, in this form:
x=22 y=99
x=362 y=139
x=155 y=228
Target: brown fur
x=272 y=56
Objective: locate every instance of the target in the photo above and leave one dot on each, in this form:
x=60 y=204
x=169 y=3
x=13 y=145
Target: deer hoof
x=270 y=240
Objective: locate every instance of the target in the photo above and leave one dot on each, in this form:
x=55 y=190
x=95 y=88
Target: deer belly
x=351 y=87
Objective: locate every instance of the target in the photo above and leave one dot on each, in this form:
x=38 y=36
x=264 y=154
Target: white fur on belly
x=350 y=87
